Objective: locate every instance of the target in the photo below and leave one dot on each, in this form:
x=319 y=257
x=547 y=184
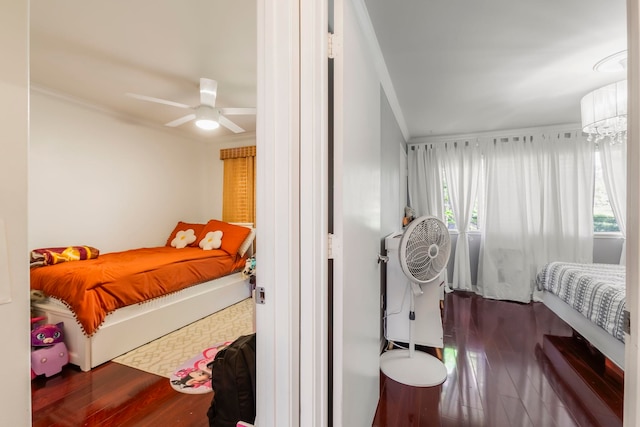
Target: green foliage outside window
x=604 y=223
x=603 y=219
x=451 y=221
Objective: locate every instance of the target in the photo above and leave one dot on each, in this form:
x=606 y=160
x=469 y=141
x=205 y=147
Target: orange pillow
x=183 y=226
x=232 y=235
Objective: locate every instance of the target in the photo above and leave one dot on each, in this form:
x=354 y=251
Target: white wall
x=393 y=192
x=392 y=144
x=15 y=395
x=114 y=184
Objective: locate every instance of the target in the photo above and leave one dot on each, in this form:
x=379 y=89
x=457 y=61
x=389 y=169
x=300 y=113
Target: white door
x=14 y=109
x=356 y=201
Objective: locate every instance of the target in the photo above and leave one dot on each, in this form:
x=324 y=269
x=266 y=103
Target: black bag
x=233 y=379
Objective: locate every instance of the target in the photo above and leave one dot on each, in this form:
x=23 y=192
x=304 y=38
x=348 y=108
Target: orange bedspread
x=94 y=288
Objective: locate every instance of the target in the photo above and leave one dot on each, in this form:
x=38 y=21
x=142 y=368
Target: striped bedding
x=597 y=291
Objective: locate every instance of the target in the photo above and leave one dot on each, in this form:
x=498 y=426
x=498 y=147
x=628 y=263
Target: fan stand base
x=419 y=370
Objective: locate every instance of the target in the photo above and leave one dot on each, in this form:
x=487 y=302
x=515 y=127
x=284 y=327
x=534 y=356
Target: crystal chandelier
x=604 y=113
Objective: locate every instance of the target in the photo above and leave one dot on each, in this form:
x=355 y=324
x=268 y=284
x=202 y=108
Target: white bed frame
x=132 y=326
x=598 y=337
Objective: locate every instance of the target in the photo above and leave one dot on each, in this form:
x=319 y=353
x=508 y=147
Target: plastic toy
x=48 y=350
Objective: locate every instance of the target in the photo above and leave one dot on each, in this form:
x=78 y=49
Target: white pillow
x=183 y=238
x=212 y=240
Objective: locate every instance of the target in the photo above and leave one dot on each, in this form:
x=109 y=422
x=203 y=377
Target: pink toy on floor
x=48 y=350
x=49 y=360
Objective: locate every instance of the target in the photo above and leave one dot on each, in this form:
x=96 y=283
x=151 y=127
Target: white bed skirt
x=132 y=326
x=608 y=345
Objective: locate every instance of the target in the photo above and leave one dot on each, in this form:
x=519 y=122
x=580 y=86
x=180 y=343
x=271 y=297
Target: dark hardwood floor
x=508 y=364
x=114 y=395
x=505 y=368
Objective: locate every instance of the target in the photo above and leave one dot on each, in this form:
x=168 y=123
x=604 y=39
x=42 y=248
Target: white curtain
x=537 y=208
x=462 y=166
x=425 y=181
x=567 y=175
x=505 y=251
x=613 y=158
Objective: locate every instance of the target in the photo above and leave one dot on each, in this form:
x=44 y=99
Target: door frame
x=314 y=213
x=631 y=417
x=277 y=207
x=291 y=207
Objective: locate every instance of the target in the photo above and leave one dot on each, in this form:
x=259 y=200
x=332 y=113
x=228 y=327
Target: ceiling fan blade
x=229 y=124
x=208 y=91
x=181 y=120
x=237 y=111
x=157 y=100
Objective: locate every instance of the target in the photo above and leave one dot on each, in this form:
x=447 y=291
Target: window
x=603 y=218
x=239 y=189
x=448 y=210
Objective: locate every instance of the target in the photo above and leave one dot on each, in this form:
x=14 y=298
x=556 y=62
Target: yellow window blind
x=239 y=186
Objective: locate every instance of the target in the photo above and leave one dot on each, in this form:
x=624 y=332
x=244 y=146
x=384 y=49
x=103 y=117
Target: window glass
x=603 y=219
x=448 y=211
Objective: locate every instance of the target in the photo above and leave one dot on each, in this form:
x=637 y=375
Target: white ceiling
x=473 y=66
x=456 y=67
x=96 y=51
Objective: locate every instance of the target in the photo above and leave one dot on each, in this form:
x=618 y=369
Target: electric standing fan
x=424 y=252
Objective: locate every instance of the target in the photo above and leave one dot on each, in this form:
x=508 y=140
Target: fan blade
x=181 y=120
x=237 y=111
x=208 y=91
x=157 y=100
x=229 y=124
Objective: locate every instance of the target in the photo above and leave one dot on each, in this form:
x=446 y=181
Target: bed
x=591 y=299
x=115 y=302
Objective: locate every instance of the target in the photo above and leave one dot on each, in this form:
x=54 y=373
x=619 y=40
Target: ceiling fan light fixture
x=205 y=115
x=207 y=118
x=207 y=124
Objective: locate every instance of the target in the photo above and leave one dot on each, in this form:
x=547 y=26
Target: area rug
x=166 y=354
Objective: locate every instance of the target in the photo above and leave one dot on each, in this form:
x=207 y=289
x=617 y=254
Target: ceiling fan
x=206 y=115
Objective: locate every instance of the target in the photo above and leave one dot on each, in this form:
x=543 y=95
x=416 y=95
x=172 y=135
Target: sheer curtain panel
x=462 y=166
x=505 y=268
x=425 y=181
x=538 y=208
x=567 y=184
x=614 y=169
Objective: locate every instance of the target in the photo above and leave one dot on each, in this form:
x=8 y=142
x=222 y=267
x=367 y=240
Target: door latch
x=260 y=295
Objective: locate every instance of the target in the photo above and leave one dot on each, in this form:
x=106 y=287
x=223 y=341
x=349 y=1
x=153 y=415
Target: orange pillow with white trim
x=232 y=235
x=184 y=226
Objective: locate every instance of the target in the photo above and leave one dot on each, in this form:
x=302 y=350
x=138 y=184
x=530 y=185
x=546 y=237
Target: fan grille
x=425 y=249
